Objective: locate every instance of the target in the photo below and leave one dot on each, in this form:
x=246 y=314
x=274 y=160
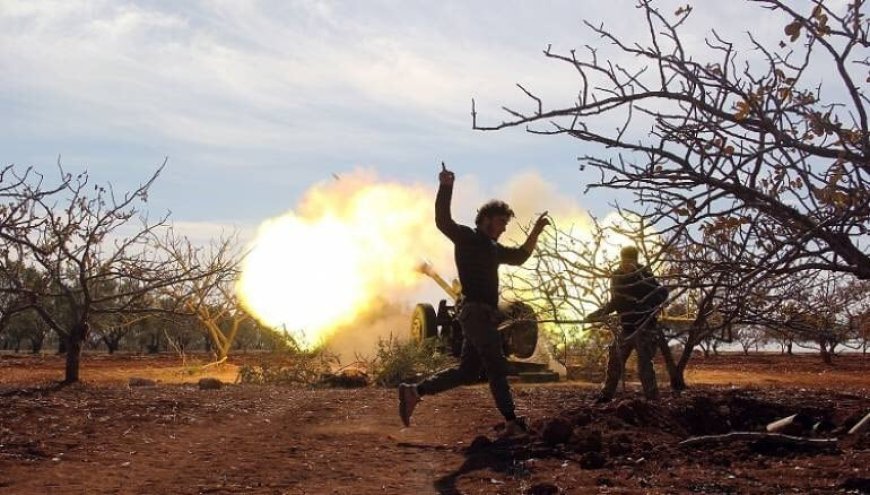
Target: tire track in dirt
x=252 y=440
x=246 y=439
x=325 y=441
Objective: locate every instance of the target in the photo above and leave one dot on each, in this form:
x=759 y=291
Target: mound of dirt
x=634 y=430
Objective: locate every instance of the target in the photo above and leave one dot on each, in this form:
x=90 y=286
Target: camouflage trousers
x=632 y=339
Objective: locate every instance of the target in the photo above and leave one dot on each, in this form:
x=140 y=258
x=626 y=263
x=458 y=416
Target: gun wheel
x=519 y=330
x=423 y=322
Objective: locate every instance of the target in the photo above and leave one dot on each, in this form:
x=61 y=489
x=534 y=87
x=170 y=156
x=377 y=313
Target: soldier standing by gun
x=636 y=296
x=478 y=256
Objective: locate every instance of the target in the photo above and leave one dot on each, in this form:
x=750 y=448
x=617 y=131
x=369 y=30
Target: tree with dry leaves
x=772 y=143
x=750 y=173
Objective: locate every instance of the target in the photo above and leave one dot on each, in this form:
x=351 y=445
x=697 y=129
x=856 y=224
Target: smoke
x=340 y=269
x=359 y=339
x=529 y=195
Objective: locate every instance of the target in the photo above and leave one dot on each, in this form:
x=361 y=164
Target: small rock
x=210 y=384
x=347 y=378
x=557 y=431
x=861 y=485
x=584 y=440
x=592 y=460
x=543 y=489
x=135 y=381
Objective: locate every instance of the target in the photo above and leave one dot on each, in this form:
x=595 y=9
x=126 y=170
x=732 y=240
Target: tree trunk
x=74 y=344
x=73 y=358
x=112 y=344
x=154 y=345
x=789 y=348
x=826 y=353
x=36 y=344
x=678 y=381
x=222 y=352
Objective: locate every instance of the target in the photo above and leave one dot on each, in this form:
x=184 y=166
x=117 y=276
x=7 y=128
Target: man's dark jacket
x=477 y=256
x=635 y=295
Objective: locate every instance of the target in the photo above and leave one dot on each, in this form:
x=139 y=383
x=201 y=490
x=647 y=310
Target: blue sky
x=255 y=101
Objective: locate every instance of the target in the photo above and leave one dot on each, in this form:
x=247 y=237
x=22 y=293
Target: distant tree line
x=83 y=266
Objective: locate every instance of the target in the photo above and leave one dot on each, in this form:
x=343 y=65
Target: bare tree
x=864 y=331
x=709 y=139
x=113 y=328
x=569 y=277
x=211 y=299
x=749 y=337
x=26 y=327
x=813 y=308
x=84 y=238
x=856 y=312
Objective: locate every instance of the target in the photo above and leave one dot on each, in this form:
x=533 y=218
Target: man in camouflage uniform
x=636 y=296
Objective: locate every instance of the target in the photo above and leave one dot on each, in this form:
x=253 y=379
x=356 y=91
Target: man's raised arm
x=532 y=239
x=443 y=219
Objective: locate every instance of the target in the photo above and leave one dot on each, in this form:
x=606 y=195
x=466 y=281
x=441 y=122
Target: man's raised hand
x=446 y=177
x=542 y=221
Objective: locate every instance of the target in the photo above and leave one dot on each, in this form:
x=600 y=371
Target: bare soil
x=102 y=436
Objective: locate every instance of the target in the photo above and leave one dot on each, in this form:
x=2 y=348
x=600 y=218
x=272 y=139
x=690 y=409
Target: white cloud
x=301 y=85
x=232 y=73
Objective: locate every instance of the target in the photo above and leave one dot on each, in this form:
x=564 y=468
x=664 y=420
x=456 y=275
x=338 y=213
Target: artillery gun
x=518 y=326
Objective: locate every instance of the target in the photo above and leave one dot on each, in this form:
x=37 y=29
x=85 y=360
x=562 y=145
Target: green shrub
x=396 y=361
x=583 y=351
x=305 y=368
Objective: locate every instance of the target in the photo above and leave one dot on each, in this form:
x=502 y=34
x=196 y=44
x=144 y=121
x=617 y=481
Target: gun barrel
x=426 y=269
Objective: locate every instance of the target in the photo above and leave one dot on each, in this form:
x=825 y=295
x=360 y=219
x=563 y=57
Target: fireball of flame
x=356 y=242
x=349 y=243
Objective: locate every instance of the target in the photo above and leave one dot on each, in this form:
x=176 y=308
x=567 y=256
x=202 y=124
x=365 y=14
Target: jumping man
x=478 y=256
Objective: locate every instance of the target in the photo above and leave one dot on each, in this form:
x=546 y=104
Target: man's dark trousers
x=642 y=340
x=481 y=350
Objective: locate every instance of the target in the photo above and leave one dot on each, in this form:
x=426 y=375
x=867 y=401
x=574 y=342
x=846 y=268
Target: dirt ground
x=102 y=436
